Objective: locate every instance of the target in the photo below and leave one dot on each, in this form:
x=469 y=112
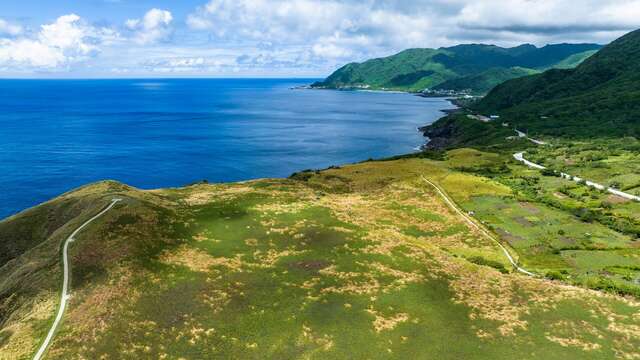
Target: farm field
x=614 y=163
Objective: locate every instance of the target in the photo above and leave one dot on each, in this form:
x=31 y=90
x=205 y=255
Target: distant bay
x=56 y=135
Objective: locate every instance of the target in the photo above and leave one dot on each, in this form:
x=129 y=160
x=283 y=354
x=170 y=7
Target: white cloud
x=545 y=16
x=30 y=53
x=332 y=30
x=69 y=39
x=7 y=28
x=302 y=36
x=337 y=30
x=155 y=26
x=274 y=20
x=68 y=34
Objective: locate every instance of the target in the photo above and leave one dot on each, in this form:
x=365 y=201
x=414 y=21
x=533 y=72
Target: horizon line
x=167 y=78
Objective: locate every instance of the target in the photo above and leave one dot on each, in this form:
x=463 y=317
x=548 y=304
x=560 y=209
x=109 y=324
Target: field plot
x=545 y=217
x=611 y=162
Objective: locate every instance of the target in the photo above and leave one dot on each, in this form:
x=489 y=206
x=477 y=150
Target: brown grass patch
x=197 y=260
x=381 y=323
x=22 y=341
x=308 y=336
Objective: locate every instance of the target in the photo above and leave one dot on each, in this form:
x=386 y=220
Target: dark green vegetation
x=484 y=81
x=460 y=130
x=362 y=261
x=599 y=98
x=464 y=67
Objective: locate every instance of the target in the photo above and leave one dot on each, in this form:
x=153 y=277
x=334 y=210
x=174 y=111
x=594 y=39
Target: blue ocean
x=56 y=135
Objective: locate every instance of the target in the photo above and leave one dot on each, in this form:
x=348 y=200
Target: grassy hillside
x=363 y=261
x=601 y=97
x=30 y=282
x=574 y=60
x=486 y=80
x=478 y=67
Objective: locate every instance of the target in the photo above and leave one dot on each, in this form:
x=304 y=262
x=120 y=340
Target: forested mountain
x=599 y=97
x=475 y=67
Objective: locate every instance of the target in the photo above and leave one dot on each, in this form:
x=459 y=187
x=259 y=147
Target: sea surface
x=56 y=135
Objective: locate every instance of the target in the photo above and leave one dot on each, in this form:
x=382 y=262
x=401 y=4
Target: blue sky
x=275 y=38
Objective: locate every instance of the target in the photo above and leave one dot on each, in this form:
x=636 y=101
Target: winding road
x=520 y=157
x=480 y=228
x=523 y=135
x=64 y=296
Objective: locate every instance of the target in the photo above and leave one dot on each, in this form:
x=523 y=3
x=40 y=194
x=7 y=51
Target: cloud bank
x=67 y=40
x=302 y=36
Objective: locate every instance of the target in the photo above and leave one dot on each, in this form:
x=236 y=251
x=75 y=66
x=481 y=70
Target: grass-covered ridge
x=363 y=261
x=474 y=67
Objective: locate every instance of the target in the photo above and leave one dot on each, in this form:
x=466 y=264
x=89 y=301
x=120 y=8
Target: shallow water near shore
x=58 y=135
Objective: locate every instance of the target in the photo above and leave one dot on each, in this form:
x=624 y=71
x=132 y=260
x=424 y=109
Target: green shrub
x=554 y=275
x=479 y=260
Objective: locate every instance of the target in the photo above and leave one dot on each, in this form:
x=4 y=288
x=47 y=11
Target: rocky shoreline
x=439 y=134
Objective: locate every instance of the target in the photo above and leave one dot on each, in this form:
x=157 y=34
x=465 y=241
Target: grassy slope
x=575 y=60
x=486 y=80
x=30 y=283
x=476 y=66
x=363 y=261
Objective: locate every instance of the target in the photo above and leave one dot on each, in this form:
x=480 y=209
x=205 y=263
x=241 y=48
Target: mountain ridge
x=418 y=69
x=601 y=96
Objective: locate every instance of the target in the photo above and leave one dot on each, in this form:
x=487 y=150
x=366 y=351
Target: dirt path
x=478 y=227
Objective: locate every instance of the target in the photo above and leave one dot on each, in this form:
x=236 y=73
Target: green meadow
x=361 y=261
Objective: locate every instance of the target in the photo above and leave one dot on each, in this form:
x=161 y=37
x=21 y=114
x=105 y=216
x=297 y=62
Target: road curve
x=523 y=135
x=520 y=157
x=64 y=296
x=478 y=227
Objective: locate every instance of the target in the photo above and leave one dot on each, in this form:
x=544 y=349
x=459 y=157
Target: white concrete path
x=520 y=157
x=64 y=296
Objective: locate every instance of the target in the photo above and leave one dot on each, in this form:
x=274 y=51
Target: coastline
x=429 y=143
x=369 y=125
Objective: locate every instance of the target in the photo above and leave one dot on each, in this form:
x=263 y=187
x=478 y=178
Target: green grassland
x=362 y=261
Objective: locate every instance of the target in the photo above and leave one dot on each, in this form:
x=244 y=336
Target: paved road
x=523 y=135
x=520 y=157
x=471 y=222
x=64 y=296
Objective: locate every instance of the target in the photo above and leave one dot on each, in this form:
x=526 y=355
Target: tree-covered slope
x=486 y=80
x=418 y=69
x=599 y=97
